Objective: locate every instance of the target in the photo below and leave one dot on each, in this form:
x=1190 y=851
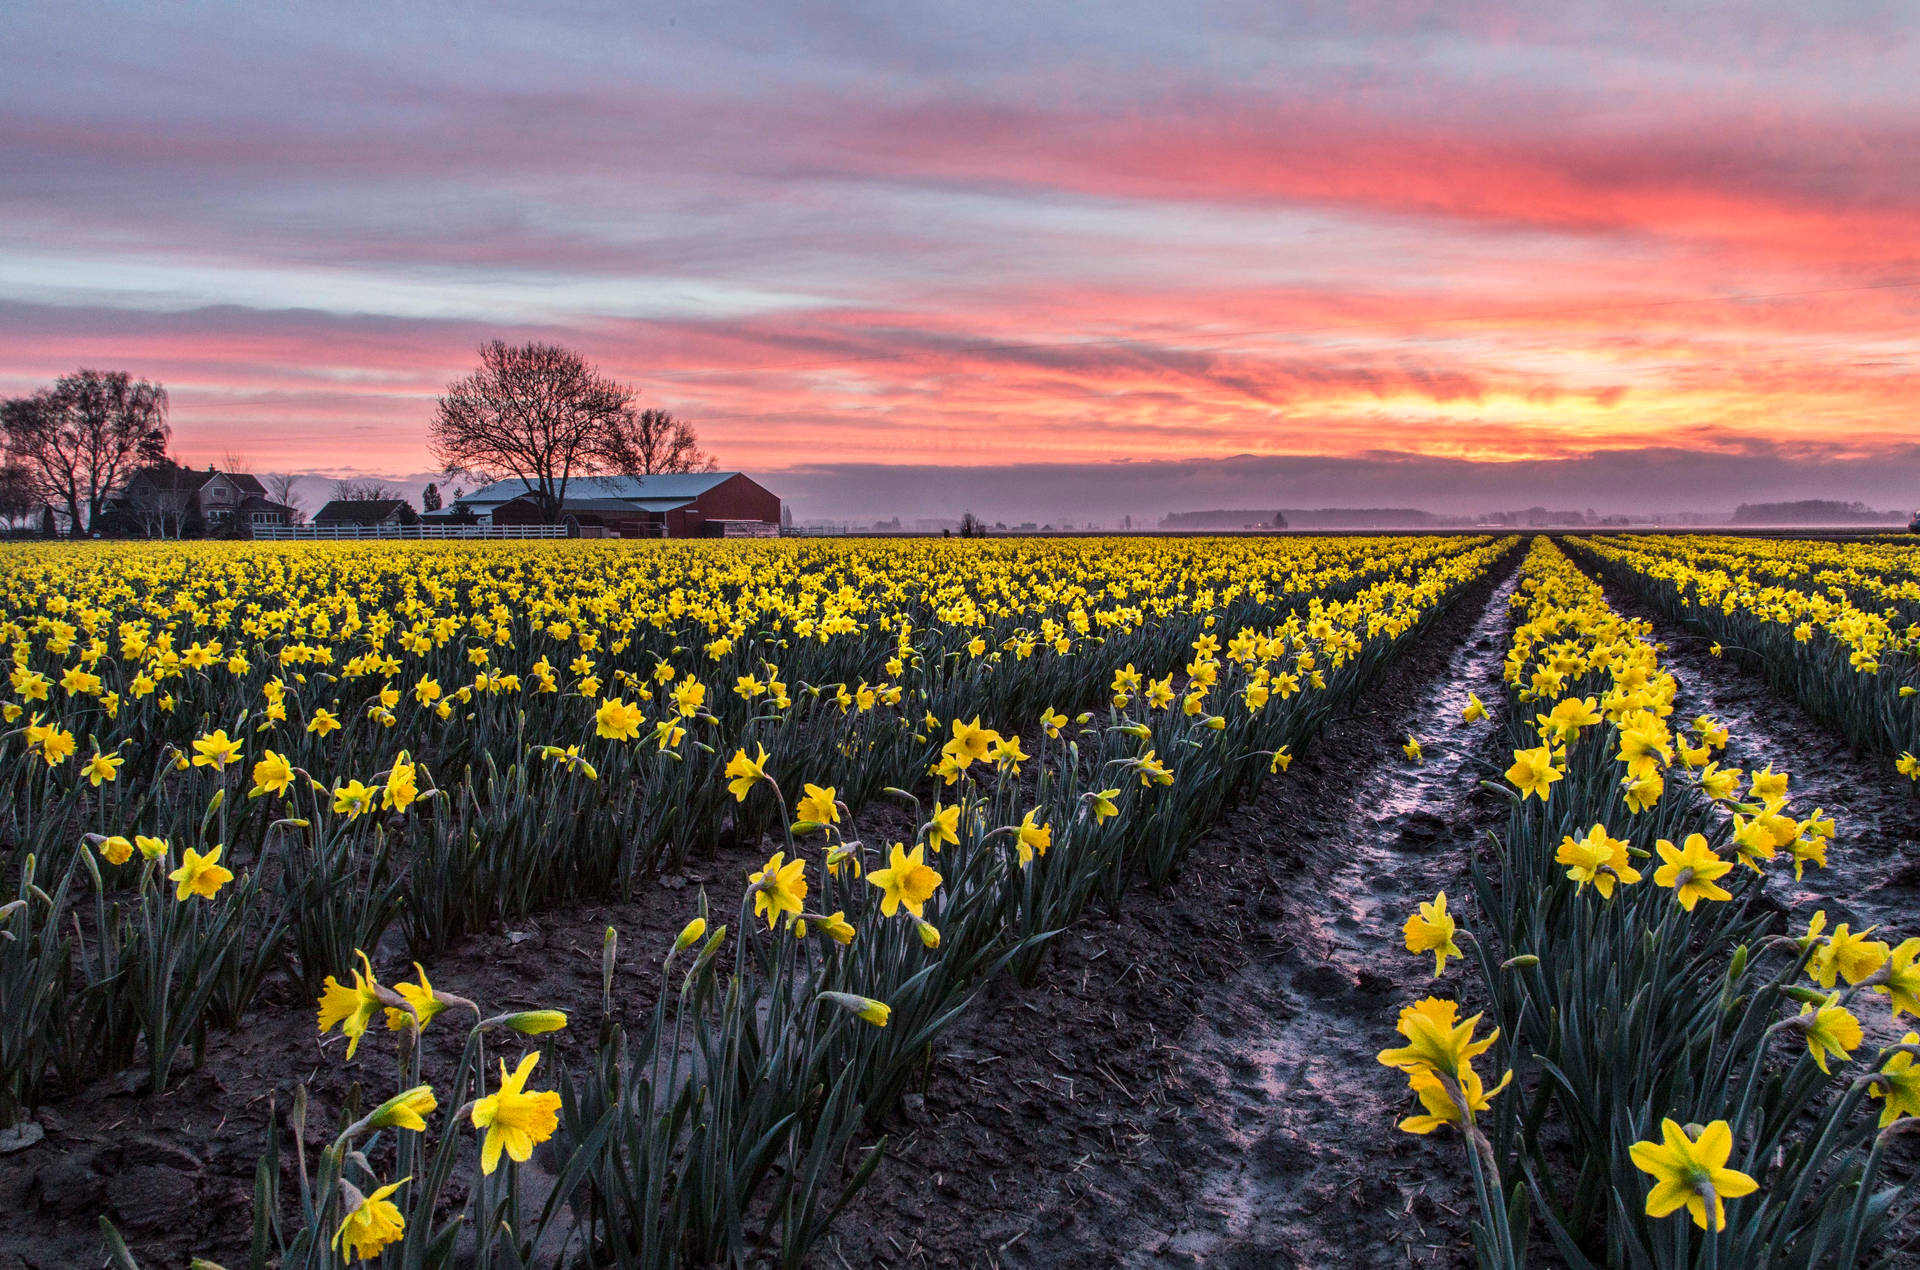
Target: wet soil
x=1194 y=1079
x=1873 y=873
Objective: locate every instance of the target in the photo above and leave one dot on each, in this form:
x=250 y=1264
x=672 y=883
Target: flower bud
x=690 y=934
x=405 y=1110
x=874 y=1012
x=929 y=933
x=536 y=1022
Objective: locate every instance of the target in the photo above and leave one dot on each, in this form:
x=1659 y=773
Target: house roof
x=359 y=511
x=257 y=503
x=168 y=477
x=189 y=479
x=680 y=487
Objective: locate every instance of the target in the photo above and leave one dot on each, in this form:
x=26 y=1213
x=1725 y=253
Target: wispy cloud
x=969 y=235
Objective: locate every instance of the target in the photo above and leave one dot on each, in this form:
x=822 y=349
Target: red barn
x=675 y=505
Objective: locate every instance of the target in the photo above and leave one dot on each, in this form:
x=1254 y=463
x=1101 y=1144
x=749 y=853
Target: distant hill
x=1813 y=511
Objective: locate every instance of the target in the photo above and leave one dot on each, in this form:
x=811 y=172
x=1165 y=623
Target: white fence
x=280 y=532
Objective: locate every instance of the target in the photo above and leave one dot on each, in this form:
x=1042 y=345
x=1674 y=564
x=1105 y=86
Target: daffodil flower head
x=515 y=1121
x=371 y=1222
x=406 y=1110
x=1689 y=1171
x=779 y=887
x=1829 y=1029
x=1432 y=930
x=1897 y=1083
x=1691 y=871
x=1435 y=1040
x=1599 y=858
x=352 y=1008
x=1440 y=1107
x=907 y=880
x=422 y=1001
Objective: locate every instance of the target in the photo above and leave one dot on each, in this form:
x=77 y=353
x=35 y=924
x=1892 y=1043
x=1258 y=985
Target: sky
x=891 y=256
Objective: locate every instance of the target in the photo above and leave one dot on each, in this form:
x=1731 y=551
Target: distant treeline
x=1813 y=511
x=1306 y=518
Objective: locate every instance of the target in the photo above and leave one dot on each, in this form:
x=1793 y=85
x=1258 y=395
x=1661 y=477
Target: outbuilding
x=671 y=505
x=365 y=513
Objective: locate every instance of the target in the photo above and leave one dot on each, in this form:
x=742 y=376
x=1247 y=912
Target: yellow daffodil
x=352 y=1009
x=1690 y=1171
x=874 y=1012
x=371 y=1222
x=1897 y=1084
x=514 y=1120
x=907 y=880
x=1032 y=838
x=102 y=767
x=216 y=751
x=1431 y=930
x=200 y=875
x=1533 y=773
x=744 y=773
x=1830 y=1029
x=1691 y=871
x=817 y=808
x=779 y=887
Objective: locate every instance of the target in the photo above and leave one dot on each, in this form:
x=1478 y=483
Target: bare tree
x=17 y=499
x=535 y=412
x=232 y=460
x=648 y=443
x=364 y=490
x=159 y=500
x=284 y=488
x=79 y=439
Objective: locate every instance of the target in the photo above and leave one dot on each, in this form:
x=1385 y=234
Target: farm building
x=676 y=505
x=167 y=497
x=365 y=513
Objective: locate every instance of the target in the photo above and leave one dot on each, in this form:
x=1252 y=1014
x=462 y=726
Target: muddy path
x=1873 y=873
x=1195 y=1083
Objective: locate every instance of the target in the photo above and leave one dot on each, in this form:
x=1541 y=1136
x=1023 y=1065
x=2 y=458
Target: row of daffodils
x=292 y=749
x=1681 y=1079
x=322 y=742
x=1835 y=624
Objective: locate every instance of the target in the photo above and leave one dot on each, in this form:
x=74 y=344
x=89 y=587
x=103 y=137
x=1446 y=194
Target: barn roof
x=680 y=487
x=358 y=511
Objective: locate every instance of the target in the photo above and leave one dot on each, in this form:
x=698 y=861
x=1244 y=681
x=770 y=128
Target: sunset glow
x=986 y=236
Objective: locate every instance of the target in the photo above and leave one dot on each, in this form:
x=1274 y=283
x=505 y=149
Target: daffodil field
x=1665 y=1071
x=235 y=765
x=1836 y=625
